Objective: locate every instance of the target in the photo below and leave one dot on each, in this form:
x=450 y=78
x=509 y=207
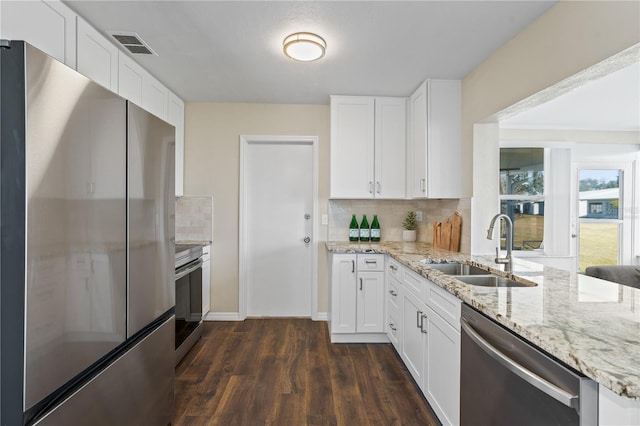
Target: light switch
x=324 y=220
x=419 y=216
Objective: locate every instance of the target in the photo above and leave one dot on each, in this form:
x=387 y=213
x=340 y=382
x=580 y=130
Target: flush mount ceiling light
x=304 y=47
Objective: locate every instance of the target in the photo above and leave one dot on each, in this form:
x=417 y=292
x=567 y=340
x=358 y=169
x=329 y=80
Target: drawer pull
x=393 y=293
x=393 y=267
x=392 y=327
x=419 y=317
x=370 y=262
x=422 y=324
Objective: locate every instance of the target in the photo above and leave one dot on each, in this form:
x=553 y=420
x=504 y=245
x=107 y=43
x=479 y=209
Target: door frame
x=243 y=246
x=627 y=192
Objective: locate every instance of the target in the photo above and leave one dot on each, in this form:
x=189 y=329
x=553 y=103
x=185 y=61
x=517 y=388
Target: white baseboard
x=359 y=338
x=223 y=316
x=322 y=316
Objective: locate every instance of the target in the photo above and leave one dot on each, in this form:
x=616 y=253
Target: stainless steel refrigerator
x=86 y=250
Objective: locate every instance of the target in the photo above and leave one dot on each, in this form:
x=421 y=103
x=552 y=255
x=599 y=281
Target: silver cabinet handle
x=307 y=240
x=353 y=266
x=423 y=184
x=371 y=262
x=393 y=267
x=393 y=293
x=370 y=187
x=422 y=324
x=360 y=283
x=419 y=319
x=392 y=327
x=378 y=187
x=533 y=379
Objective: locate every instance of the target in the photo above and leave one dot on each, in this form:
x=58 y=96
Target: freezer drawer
x=137 y=389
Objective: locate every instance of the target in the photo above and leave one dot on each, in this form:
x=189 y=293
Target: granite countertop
x=196 y=242
x=589 y=324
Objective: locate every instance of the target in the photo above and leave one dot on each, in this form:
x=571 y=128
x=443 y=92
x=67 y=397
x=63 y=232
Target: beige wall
x=212 y=167
x=570 y=37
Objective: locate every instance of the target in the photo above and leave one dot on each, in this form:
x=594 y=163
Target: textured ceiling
x=231 y=51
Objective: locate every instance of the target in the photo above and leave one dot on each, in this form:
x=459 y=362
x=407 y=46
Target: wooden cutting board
x=447 y=235
x=456 y=229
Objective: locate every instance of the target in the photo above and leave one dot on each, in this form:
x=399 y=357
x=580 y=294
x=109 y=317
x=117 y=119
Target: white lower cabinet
x=206 y=280
x=442 y=364
x=414 y=338
x=429 y=338
x=357 y=298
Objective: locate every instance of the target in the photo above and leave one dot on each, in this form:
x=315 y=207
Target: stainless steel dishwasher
x=507 y=381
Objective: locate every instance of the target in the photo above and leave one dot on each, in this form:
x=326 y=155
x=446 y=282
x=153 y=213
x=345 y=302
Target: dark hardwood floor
x=286 y=372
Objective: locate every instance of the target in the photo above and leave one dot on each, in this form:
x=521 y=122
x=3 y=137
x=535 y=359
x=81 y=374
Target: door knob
x=307 y=240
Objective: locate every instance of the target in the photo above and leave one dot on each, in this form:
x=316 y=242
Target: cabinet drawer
x=415 y=283
x=393 y=329
x=393 y=294
x=394 y=269
x=370 y=262
x=445 y=304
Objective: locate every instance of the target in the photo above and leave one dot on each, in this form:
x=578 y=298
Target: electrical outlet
x=419 y=216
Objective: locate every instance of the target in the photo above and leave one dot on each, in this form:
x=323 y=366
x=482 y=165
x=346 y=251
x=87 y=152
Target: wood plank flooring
x=286 y=372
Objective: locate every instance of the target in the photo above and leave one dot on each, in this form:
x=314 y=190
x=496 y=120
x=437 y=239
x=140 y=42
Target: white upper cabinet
x=130 y=79
x=390 y=147
x=155 y=96
x=48 y=25
x=97 y=57
x=352 y=141
x=368 y=143
x=175 y=116
x=435 y=140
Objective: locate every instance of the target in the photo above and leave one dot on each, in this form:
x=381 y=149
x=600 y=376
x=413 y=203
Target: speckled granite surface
x=589 y=324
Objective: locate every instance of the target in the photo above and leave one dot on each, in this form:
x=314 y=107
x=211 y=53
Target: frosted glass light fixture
x=304 y=47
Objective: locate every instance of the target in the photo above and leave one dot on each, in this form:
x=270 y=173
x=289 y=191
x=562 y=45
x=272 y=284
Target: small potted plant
x=409 y=224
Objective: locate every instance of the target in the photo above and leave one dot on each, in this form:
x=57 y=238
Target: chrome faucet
x=506 y=261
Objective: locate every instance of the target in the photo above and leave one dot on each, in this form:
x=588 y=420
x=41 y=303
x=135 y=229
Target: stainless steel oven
x=188 y=309
x=507 y=381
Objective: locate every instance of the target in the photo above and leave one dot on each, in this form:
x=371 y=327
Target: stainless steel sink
x=456 y=268
x=490 y=281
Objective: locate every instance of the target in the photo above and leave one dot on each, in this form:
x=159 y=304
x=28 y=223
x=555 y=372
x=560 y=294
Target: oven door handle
x=530 y=377
x=187 y=269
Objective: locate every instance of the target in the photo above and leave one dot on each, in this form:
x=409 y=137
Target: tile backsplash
x=391 y=213
x=194 y=218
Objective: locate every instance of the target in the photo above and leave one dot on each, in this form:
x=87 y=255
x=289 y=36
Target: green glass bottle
x=354 y=231
x=364 y=229
x=375 y=229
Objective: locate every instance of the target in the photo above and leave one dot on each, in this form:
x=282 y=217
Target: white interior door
x=278 y=218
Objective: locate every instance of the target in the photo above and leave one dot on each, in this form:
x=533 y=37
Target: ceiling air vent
x=132 y=42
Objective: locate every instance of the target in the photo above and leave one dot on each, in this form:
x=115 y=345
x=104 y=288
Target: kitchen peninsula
x=591 y=325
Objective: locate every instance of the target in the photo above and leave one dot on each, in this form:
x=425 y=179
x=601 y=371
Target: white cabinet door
x=394 y=313
x=435 y=140
x=413 y=336
x=206 y=280
x=155 y=96
x=370 y=302
x=390 y=147
x=352 y=143
x=444 y=174
x=175 y=116
x=343 y=293
x=442 y=369
x=130 y=79
x=48 y=25
x=418 y=103
x=97 y=57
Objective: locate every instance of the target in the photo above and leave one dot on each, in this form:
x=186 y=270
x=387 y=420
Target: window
x=522 y=195
x=595 y=208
